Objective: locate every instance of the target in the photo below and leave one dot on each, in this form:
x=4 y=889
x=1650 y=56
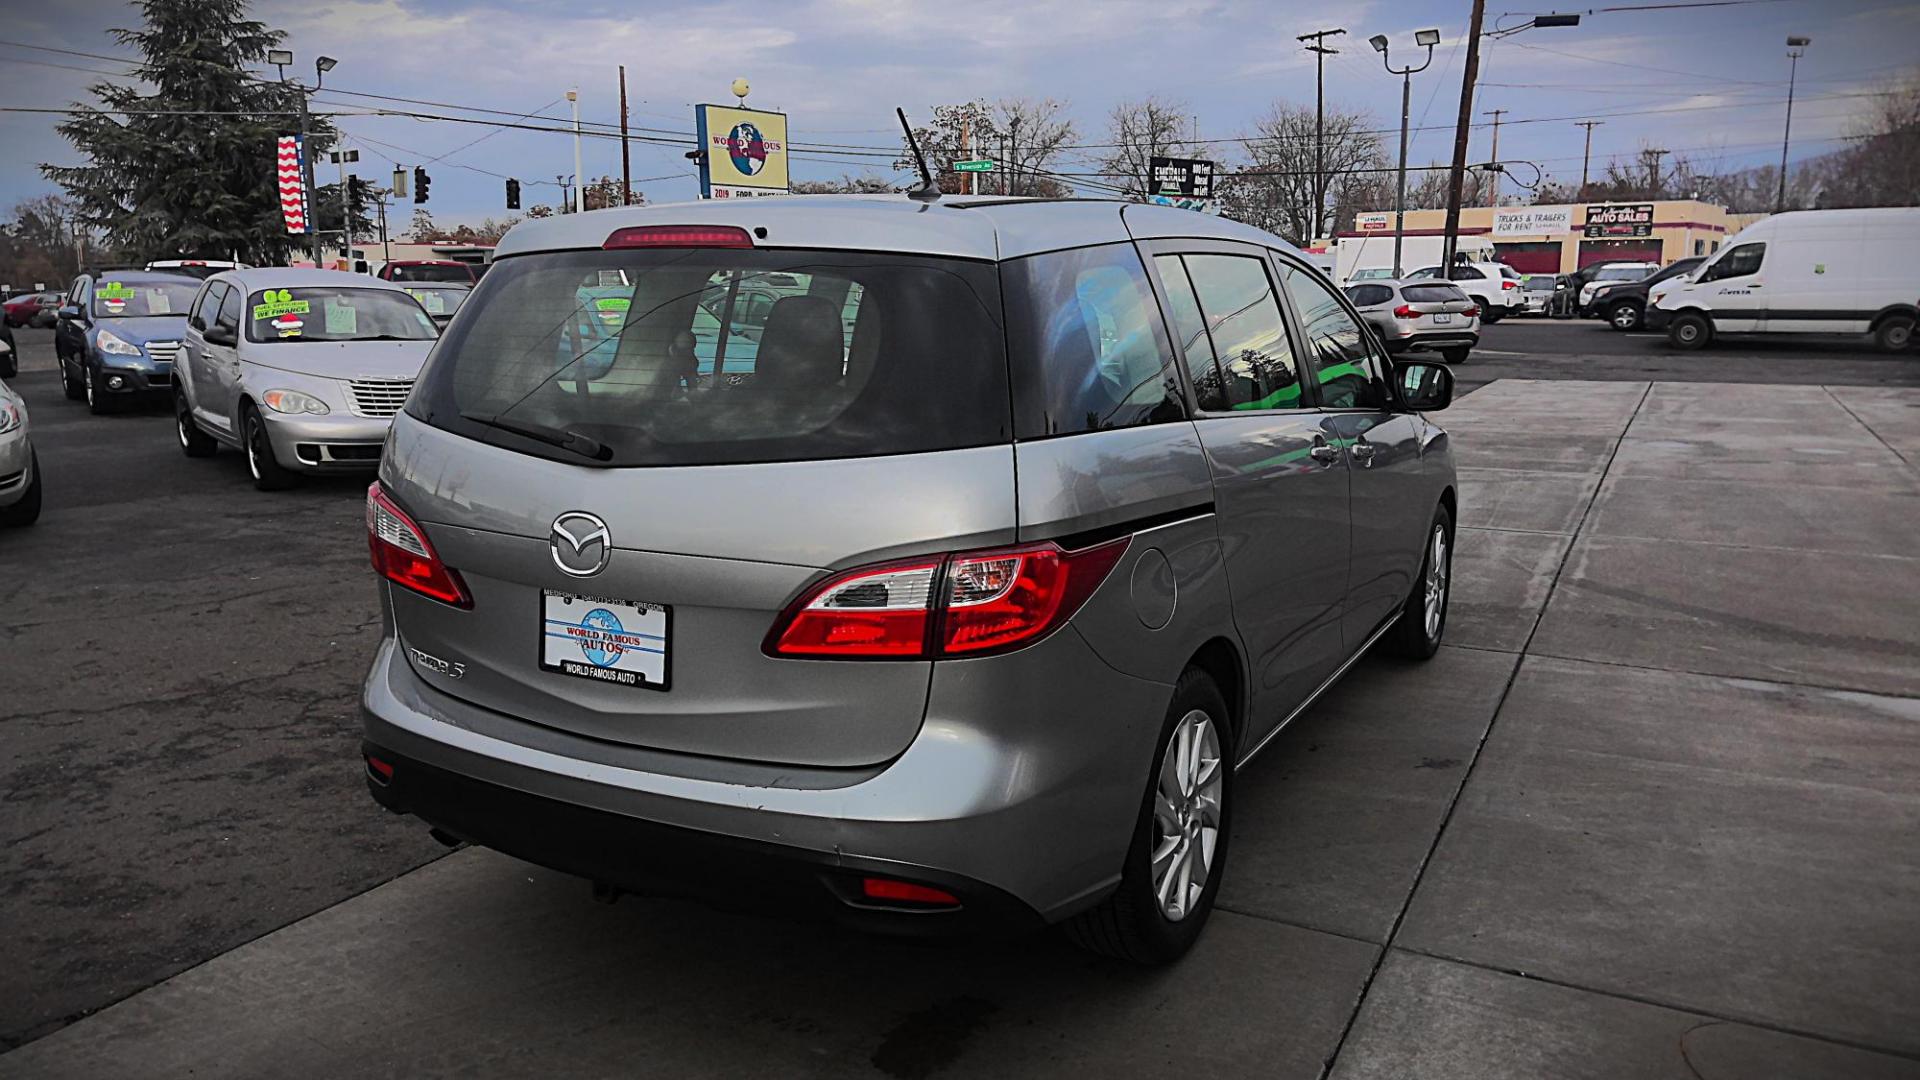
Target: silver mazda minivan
x=929 y=565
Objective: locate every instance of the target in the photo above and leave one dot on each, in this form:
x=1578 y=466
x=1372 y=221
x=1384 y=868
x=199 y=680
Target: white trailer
x=1371 y=256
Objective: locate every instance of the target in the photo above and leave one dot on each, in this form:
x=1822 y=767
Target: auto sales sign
x=1617 y=220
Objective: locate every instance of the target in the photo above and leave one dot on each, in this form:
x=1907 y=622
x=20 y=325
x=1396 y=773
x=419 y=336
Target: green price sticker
x=114 y=290
x=277 y=303
x=613 y=309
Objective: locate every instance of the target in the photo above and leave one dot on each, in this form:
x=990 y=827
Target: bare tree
x=1882 y=166
x=1023 y=136
x=1275 y=189
x=1140 y=132
x=848 y=184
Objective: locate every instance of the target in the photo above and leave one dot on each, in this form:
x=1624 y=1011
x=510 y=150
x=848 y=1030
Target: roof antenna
x=928 y=191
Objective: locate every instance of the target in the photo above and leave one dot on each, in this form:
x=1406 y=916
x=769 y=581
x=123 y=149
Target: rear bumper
x=1019 y=794
x=651 y=858
x=1432 y=341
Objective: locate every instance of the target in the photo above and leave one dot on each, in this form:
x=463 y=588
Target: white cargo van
x=1805 y=272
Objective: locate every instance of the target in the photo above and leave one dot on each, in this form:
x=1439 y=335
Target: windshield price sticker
x=342 y=318
x=114 y=290
x=274 y=304
x=613 y=309
x=429 y=299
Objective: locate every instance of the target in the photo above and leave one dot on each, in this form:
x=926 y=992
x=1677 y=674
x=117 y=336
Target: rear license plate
x=623 y=642
x=1442 y=317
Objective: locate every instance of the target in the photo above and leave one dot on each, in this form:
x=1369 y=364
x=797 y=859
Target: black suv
x=1624 y=305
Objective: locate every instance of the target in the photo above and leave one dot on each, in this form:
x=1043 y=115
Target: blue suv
x=118 y=334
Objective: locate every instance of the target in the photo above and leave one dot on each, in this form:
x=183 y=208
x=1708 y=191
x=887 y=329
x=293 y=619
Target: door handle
x=1322 y=452
x=1362 y=451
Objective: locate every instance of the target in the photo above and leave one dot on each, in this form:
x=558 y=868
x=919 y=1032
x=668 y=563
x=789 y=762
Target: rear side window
x=1255 y=365
x=711 y=356
x=1086 y=344
x=1431 y=294
x=1369 y=295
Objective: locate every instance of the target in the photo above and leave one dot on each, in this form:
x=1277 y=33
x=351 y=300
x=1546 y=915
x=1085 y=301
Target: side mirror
x=1425 y=387
x=71 y=311
x=9 y=364
x=221 y=334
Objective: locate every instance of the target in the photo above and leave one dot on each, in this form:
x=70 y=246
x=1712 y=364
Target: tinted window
x=1424 y=272
x=1466 y=273
x=1338 y=347
x=1190 y=332
x=330 y=313
x=860 y=354
x=430 y=272
x=1431 y=294
x=1086 y=344
x=208 y=303
x=1255 y=360
x=1738 y=262
x=1368 y=295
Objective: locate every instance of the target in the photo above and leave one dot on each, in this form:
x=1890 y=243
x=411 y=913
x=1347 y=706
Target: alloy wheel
x=87 y=373
x=254 y=434
x=1186 y=814
x=1436 y=584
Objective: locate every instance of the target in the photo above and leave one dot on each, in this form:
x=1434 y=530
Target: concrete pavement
x=1654 y=812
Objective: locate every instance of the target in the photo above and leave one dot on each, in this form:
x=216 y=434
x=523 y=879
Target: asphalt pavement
x=1650 y=813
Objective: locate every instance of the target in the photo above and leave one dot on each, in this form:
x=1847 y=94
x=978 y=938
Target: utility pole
x=1458 y=176
x=1321 y=52
x=626 y=158
x=1653 y=170
x=1796 y=46
x=386 y=252
x=966 y=146
x=346 y=206
x=1494 y=174
x=580 y=204
x=1586 y=155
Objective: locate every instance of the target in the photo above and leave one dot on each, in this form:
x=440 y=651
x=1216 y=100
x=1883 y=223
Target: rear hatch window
x=705 y=356
x=1431 y=294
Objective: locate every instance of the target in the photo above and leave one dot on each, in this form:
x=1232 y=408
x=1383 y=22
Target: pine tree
x=189 y=169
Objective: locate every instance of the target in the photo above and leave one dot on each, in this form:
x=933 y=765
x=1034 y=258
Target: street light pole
x=1429 y=38
x=1586 y=155
x=1796 y=46
x=1320 y=51
x=309 y=193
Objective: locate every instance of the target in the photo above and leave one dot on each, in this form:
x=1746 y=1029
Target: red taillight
x=1472 y=312
x=1507 y=284
x=678 y=236
x=887 y=889
x=1405 y=311
x=402 y=554
x=380 y=771
x=967 y=604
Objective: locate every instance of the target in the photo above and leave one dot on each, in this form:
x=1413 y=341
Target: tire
x=70 y=385
x=1489 y=316
x=268 y=473
x=98 y=402
x=1456 y=355
x=193 y=441
x=1133 y=924
x=1422 y=623
x=1894 y=334
x=27 y=510
x=1624 y=316
x=1690 y=330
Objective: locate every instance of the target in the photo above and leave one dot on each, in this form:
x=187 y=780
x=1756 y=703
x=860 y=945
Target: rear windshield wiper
x=584 y=445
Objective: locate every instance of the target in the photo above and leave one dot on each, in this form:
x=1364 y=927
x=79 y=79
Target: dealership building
x=1561 y=239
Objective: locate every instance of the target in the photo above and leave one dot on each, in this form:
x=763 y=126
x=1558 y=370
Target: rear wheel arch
x=1891 y=311
x=1220 y=660
x=1451 y=501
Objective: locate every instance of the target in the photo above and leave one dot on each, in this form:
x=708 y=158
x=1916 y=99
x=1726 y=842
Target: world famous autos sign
x=1618 y=220
x=743 y=151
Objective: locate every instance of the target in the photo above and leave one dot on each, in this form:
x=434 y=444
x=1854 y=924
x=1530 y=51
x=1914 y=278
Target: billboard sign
x=1532 y=220
x=1190 y=178
x=1619 y=220
x=1376 y=221
x=743 y=151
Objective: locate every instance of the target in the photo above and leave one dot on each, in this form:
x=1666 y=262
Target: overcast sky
x=1709 y=82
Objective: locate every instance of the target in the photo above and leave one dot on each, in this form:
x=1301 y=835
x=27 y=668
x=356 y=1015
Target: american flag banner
x=293 y=189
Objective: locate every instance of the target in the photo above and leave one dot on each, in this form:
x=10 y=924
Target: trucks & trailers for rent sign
x=1533 y=221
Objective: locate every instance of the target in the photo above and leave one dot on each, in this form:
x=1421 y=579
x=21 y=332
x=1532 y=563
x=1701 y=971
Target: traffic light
x=513 y=194
x=420 y=182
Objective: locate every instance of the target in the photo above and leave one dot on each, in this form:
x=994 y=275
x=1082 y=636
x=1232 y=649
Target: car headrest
x=802 y=345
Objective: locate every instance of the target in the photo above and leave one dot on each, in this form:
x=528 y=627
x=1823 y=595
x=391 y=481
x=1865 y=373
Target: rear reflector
x=906 y=892
x=402 y=554
x=678 y=236
x=966 y=604
x=380 y=771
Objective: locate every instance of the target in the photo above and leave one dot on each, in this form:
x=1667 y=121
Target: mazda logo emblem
x=581 y=544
